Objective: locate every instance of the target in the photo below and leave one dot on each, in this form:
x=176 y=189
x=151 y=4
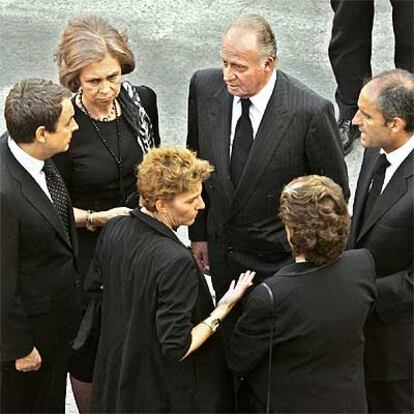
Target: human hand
x=100 y=218
x=237 y=290
x=200 y=252
x=31 y=362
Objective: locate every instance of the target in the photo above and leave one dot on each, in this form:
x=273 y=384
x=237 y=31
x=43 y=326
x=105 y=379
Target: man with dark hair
x=260 y=128
x=383 y=223
x=350 y=52
x=40 y=302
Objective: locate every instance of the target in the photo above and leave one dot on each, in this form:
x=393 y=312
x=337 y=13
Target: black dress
x=152 y=296
x=318 y=343
x=93 y=180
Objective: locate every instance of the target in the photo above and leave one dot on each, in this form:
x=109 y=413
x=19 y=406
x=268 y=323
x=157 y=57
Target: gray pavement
x=173 y=38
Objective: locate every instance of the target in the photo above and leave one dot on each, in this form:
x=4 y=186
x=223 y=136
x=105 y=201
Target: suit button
x=230 y=250
x=77 y=283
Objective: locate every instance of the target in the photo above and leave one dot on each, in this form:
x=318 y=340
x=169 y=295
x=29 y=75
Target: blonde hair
x=166 y=172
x=87 y=40
x=314 y=211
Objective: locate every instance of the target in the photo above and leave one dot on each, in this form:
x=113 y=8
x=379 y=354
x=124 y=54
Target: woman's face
x=101 y=82
x=183 y=209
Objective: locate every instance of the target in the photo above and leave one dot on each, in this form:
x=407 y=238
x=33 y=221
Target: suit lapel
x=34 y=194
x=221 y=111
x=395 y=189
x=269 y=135
x=364 y=181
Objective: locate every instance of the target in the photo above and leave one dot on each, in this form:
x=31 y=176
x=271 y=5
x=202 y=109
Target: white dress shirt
x=257 y=108
x=32 y=165
x=396 y=158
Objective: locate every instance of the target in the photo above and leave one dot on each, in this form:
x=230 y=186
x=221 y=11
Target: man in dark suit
x=383 y=224
x=40 y=304
x=286 y=131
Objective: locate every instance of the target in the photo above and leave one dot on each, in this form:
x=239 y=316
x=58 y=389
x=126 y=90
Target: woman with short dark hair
x=316 y=309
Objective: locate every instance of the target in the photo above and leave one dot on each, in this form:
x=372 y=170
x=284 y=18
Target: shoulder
x=261 y=298
x=360 y=256
x=145 y=94
x=299 y=93
x=207 y=78
x=6 y=157
x=354 y=265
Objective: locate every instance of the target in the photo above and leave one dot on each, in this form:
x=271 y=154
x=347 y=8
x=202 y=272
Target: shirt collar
x=29 y=163
x=396 y=157
x=261 y=99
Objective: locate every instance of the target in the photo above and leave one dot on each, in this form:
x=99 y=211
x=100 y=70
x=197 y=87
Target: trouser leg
x=403 y=24
x=390 y=396
x=41 y=391
x=350 y=51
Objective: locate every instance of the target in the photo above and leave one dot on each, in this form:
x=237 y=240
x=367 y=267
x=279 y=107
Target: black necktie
x=243 y=140
x=377 y=182
x=58 y=193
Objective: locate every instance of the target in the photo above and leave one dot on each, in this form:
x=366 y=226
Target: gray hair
x=257 y=24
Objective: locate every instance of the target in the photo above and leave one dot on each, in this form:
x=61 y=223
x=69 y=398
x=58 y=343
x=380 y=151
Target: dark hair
x=257 y=24
x=32 y=103
x=396 y=96
x=87 y=40
x=314 y=211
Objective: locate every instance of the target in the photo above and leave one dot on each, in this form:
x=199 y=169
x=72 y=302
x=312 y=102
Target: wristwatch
x=212 y=323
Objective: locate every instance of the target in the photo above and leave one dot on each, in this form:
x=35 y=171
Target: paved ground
x=173 y=38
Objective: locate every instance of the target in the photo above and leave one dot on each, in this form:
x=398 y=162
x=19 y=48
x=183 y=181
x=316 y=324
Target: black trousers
x=41 y=391
x=390 y=396
x=351 y=42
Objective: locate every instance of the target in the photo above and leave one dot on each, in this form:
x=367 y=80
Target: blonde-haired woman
x=160 y=348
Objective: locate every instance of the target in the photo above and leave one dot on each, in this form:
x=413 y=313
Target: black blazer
x=39 y=283
x=318 y=342
x=297 y=136
x=388 y=235
x=152 y=296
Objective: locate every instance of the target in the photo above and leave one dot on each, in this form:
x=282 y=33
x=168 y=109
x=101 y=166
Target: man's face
x=59 y=140
x=244 y=72
x=375 y=131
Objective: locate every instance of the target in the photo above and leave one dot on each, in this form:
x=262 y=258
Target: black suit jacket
x=318 y=318
x=297 y=136
x=39 y=283
x=388 y=235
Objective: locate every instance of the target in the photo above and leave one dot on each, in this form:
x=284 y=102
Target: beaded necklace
x=118 y=159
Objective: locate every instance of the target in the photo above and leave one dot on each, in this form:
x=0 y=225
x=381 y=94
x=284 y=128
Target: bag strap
x=271 y=334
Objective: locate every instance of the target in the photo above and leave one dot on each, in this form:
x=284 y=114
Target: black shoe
x=347 y=133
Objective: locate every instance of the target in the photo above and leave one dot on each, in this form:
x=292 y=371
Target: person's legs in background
x=403 y=25
x=350 y=57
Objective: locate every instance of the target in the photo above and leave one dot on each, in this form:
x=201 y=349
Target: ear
x=397 y=125
x=269 y=64
x=161 y=206
x=40 y=134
